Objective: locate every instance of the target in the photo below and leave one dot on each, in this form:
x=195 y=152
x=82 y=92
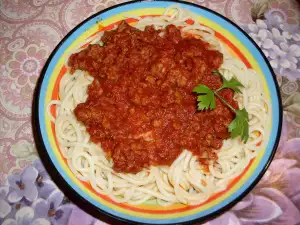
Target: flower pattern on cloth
x=283 y=10
x=44 y=184
x=52 y=208
x=25 y=216
x=29 y=31
x=23 y=185
x=22 y=73
x=5 y=207
x=32 y=198
x=280 y=44
x=27 y=64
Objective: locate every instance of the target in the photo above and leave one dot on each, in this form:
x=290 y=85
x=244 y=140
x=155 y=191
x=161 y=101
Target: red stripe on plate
x=134 y=208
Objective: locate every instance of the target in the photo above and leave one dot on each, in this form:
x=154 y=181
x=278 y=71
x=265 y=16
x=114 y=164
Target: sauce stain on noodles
x=140 y=106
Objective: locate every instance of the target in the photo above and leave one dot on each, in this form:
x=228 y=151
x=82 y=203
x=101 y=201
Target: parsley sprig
x=206 y=100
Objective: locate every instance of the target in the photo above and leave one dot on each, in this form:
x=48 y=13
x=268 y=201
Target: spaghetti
x=187 y=180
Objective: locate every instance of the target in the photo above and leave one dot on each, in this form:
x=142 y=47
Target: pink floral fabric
x=29 y=31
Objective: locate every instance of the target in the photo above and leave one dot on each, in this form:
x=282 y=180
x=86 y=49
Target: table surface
x=29 y=31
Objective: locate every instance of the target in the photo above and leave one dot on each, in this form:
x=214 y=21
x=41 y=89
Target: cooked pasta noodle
x=185 y=181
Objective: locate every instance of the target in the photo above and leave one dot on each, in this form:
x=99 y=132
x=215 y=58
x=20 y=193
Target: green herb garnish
x=206 y=100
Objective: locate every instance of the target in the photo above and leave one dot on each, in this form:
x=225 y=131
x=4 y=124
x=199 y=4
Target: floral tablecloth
x=29 y=31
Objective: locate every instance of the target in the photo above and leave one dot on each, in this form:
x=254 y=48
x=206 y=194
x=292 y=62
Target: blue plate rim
x=77 y=198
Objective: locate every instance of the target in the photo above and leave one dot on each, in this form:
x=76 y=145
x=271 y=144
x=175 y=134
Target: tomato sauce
x=141 y=107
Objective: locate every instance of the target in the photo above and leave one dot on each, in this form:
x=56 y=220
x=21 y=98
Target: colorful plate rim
x=61 y=180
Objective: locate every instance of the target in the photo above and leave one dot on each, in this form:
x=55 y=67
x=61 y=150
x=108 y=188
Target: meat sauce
x=140 y=106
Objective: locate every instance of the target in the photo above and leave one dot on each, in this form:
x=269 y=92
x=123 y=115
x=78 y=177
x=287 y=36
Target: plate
x=81 y=193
